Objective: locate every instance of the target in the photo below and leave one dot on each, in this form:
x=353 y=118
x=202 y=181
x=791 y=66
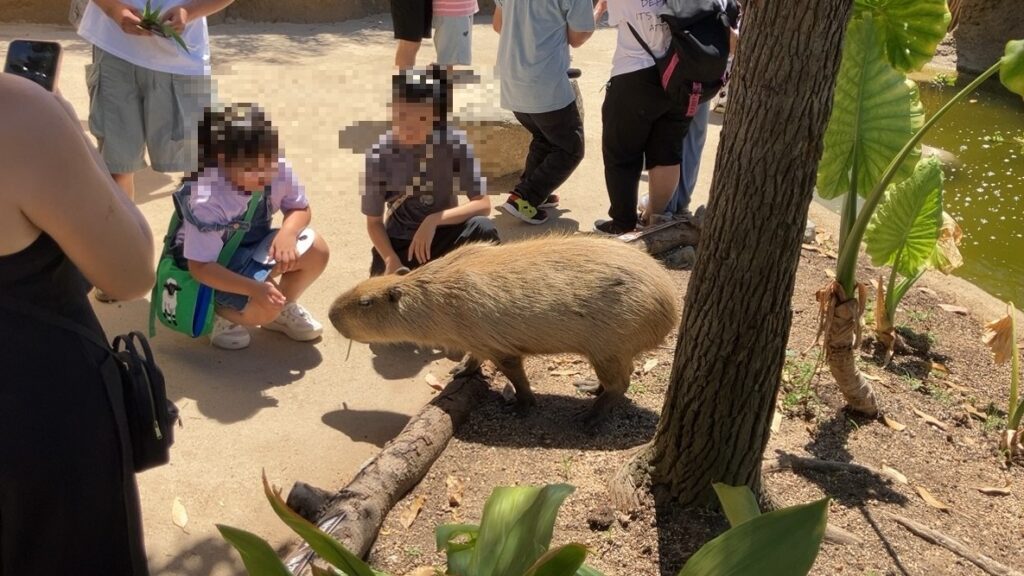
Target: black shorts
x=639 y=119
x=412 y=19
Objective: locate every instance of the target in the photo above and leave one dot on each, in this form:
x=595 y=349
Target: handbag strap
x=238 y=233
x=641 y=41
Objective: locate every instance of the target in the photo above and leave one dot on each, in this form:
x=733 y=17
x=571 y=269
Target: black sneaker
x=523 y=210
x=611 y=228
x=551 y=202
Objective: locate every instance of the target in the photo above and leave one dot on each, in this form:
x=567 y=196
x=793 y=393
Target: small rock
x=623 y=519
x=601 y=519
x=681 y=258
x=809 y=232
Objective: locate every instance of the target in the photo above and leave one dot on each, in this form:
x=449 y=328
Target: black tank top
x=42 y=275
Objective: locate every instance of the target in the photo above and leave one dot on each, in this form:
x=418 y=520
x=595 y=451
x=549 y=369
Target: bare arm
x=577 y=38
x=379 y=237
x=126 y=18
x=496 y=22
x=220 y=278
x=55 y=182
x=202 y=8
x=479 y=206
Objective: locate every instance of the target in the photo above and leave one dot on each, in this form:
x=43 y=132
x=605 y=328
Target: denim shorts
x=243 y=264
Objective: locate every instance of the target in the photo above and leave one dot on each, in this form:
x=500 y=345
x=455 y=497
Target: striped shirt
x=455 y=7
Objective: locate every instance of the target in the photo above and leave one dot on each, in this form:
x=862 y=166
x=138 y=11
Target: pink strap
x=695 y=93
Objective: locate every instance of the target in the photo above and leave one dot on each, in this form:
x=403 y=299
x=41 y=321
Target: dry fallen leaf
x=947 y=256
x=409 y=514
x=433 y=382
x=940 y=367
x=650 y=364
x=423 y=571
x=973 y=411
x=931 y=500
x=830 y=273
x=455 y=489
x=810 y=247
x=871 y=377
x=929 y=419
x=776 y=422
x=891 y=423
x=954 y=309
x=178 y=514
x=992 y=491
x=928 y=291
x=895 y=474
x=999 y=336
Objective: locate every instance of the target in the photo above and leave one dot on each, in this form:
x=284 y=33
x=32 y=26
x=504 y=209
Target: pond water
x=984 y=189
x=985 y=193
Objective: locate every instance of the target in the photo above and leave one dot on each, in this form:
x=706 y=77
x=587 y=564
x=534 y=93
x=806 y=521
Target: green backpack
x=181 y=302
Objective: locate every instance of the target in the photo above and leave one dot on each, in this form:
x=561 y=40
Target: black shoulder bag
x=149 y=415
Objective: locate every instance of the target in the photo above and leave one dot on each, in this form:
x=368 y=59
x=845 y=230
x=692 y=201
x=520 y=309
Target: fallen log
x=354 y=515
x=667 y=236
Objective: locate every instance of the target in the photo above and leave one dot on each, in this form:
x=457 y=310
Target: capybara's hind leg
x=512 y=368
x=614 y=376
x=466 y=368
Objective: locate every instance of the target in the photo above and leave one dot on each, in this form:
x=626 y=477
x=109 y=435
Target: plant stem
x=846 y=269
x=890 y=295
x=1016 y=409
x=849 y=212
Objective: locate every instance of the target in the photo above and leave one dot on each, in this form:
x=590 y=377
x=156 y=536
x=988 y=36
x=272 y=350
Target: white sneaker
x=296 y=323
x=228 y=335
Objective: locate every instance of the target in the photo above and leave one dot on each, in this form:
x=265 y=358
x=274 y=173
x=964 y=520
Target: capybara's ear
x=402 y=271
x=394 y=293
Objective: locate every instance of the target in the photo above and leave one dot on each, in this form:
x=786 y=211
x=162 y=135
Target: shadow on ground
x=204 y=557
x=399 y=361
x=376 y=427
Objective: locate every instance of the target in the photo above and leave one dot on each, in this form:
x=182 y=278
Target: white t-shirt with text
x=630 y=56
x=152 y=52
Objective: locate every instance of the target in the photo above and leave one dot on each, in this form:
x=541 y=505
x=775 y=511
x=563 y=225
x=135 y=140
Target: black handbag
x=130 y=376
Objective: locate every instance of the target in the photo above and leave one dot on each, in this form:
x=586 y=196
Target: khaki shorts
x=134 y=109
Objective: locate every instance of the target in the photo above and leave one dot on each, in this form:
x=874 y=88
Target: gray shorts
x=453 y=38
x=134 y=109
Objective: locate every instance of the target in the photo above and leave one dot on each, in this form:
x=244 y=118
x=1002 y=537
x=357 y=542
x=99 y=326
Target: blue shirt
x=533 y=52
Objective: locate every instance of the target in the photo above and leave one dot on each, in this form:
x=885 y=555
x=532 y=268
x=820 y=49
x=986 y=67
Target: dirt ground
x=947 y=367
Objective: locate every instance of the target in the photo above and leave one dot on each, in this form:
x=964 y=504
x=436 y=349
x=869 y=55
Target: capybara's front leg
x=614 y=376
x=512 y=368
x=466 y=368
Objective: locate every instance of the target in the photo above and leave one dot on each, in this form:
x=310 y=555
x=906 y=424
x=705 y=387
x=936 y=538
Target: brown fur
x=578 y=294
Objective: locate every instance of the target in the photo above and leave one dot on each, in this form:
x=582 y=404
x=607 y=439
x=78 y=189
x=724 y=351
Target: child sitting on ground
x=416 y=171
x=239 y=155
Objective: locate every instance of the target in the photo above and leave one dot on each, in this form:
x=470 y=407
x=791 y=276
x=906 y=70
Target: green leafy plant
x=780 y=543
x=151 y=21
x=512 y=539
x=872 y=151
x=1001 y=337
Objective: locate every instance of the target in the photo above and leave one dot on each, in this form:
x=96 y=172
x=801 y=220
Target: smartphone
x=38 y=61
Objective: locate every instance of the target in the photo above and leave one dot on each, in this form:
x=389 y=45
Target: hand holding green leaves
x=166 y=25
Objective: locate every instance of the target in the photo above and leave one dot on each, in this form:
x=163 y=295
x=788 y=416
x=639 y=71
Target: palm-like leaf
x=738 y=503
x=562 y=561
x=905 y=228
x=875 y=111
x=259 y=558
x=1011 y=72
x=912 y=29
x=780 y=543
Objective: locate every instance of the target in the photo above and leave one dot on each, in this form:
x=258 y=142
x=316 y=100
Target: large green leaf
x=459 y=554
x=515 y=529
x=1011 y=72
x=326 y=547
x=562 y=561
x=912 y=29
x=780 y=543
x=587 y=571
x=875 y=111
x=259 y=558
x=738 y=502
x=905 y=228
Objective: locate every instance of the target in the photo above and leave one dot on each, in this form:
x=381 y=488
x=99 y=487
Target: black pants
x=68 y=502
x=640 y=127
x=555 y=152
x=446 y=239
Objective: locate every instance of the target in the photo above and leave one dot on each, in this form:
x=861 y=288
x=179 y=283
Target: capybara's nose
x=335 y=317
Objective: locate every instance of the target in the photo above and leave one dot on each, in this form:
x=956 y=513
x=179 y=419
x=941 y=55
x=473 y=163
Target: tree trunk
x=717 y=414
x=983 y=28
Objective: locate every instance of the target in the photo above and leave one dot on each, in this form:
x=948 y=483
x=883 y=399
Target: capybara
x=581 y=294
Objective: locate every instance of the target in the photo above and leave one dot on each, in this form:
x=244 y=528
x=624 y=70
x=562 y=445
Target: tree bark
x=354 y=514
x=717 y=414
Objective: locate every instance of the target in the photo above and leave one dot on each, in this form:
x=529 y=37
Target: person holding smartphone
x=146 y=92
x=68 y=498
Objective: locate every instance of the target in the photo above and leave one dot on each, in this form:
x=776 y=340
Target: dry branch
x=793 y=462
x=955 y=546
x=355 y=514
x=664 y=237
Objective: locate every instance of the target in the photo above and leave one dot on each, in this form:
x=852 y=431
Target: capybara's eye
x=365 y=301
